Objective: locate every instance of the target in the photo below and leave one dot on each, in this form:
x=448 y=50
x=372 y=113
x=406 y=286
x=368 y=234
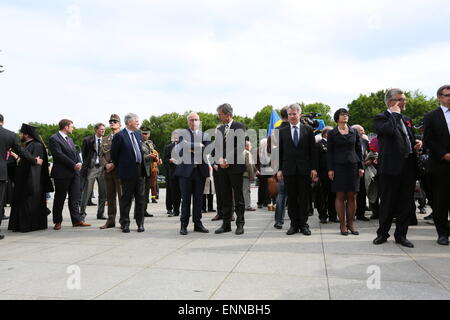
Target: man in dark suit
x=437 y=140
x=397 y=168
x=173 y=193
x=298 y=166
x=192 y=171
x=9 y=140
x=229 y=155
x=127 y=156
x=66 y=174
x=362 y=194
x=93 y=171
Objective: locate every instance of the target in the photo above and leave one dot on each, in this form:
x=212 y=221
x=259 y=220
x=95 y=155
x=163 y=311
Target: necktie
x=68 y=142
x=136 y=148
x=295 y=136
x=227 y=129
x=97 y=160
x=407 y=141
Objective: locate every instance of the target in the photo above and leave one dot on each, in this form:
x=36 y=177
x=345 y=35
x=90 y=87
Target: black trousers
x=263 y=191
x=192 y=188
x=441 y=203
x=133 y=188
x=326 y=200
x=173 y=194
x=361 y=203
x=62 y=188
x=298 y=198
x=2 y=199
x=397 y=200
x=230 y=184
x=208 y=198
x=218 y=193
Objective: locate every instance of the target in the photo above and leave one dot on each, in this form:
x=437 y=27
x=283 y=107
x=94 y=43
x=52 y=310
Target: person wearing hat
x=29 y=208
x=113 y=187
x=8 y=140
x=150 y=159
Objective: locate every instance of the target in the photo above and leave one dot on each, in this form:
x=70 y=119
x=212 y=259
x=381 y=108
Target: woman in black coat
x=345 y=169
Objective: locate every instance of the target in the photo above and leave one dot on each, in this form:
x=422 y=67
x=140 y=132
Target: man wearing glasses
x=397 y=168
x=113 y=188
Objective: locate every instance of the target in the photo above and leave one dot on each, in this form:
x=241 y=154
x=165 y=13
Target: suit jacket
x=322 y=150
x=236 y=152
x=123 y=156
x=392 y=147
x=89 y=153
x=65 y=157
x=9 y=140
x=437 y=140
x=188 y=141
x=298 y=160
x=343 y=149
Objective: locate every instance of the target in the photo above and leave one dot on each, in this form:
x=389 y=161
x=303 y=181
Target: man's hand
x=39 y=161
x=223 y=163
x=109 y=167
x=314 y=176
x=280 y=176
x=172 y=160
x=361 y=173
x=331 y=175
x=77 y=167
x=447 y=157
x=396 y=108
x=15 y=156
x=418 y=145
x=216 y=167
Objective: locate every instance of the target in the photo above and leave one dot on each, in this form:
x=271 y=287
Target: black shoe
x=154 y=201
x=239 y=230
x=404 y=242
x=173 y=215
x=5 y=218
x=278 y=226
x=443 y=241
x=362 y=218
x=169 y=212
x=430 y=217
x=305 y=230
x=101 y=217
x=200 y=228
x=223 y=229
x=379 y=240
x=126 y=229
x=260 y=206
x=323 y=221
x=183 y=231
x=204 y=211
x=355 y=233
x=141 y=228
x=148 y=215
x=292 y=231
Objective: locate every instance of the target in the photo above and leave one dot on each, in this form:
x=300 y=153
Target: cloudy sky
x=87 y=59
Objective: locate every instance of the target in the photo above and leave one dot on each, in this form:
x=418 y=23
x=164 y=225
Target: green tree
x=321 y=108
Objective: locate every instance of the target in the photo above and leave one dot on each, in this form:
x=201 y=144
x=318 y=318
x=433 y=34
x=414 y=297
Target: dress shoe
x=169 y=212
x=204 y=211
x=148 y=215
x=260 y=206
x=126 y=229
x=154 y=201
x=239 y=230
x=292 y=231
x=223 y=229
x=278 y=226
x=107 y=226
x=57 y=226
x=200 y=228
x=379 y=240
x=355 y=233
x=443 y=241
x=216 y=218
x=81 y=224
x=362 y=218
x=323 y=221
x=173 y=215
x=140 y=228
x=404 y=242
x=102 y=217
x=344 y=233
x=250 y=209
x=305 y=230
x=183 y=231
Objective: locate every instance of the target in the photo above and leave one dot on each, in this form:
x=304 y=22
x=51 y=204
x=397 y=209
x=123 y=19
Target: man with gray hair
x=127 y=156
x=397 y=168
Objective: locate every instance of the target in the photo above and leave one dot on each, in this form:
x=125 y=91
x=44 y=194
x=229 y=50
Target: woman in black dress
x=345 y=169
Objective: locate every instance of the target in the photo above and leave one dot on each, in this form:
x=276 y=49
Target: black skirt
x=346 y=178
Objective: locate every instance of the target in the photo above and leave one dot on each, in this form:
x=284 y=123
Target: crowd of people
x=337 y=170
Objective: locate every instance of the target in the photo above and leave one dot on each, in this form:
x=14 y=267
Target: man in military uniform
x=113 y=188
x=151 y=159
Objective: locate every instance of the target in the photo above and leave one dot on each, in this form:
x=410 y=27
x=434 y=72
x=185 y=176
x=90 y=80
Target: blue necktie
x=295 y=136
x=136 y=148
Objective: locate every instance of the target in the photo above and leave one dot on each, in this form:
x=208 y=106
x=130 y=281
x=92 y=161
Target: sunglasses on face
x=113 y=121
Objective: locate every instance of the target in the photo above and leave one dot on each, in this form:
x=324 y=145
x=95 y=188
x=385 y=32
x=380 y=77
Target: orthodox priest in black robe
x=29 y=206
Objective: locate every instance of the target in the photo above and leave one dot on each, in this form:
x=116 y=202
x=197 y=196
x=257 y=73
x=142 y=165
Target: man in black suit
x=397 y=168
x=127 y=156
x=192 y=171
x=173 y=193
x=93 y=171
x=362 y=194
x=9 y=140
x=437 y=140
x=66 y=174
x=229 y=153
x=298 y=166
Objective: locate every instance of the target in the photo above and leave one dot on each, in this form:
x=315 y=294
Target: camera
x=308 y=119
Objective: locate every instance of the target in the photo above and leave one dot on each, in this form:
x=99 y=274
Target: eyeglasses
x=144 y=133
x=446 y=95
x=113 y=121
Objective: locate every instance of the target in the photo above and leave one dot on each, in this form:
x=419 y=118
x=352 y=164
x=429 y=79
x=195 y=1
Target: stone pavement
x=264 y=263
